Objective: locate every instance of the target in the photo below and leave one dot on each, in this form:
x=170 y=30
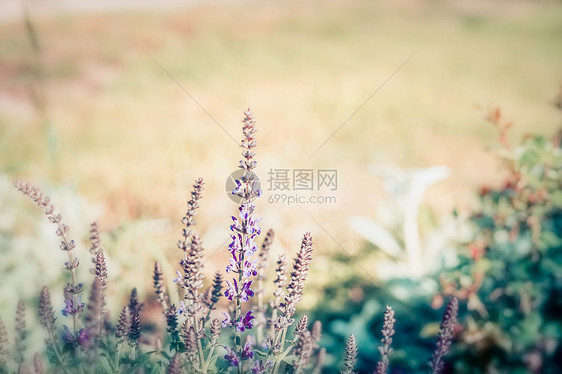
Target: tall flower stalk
x=350 y=356
x=47 y=320
x=4 y=347
x=294 y=294
x=244 y=232
x=261 y=307
x=73 y=305
x=445 y=337
x=386 y=341
x=192 y=279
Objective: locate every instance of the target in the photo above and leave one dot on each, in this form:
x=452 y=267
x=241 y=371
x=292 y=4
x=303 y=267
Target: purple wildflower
x=227 y=321
x=67 y=336
x=246 y=292
x=248 y=350
x=83 y=338
x=181 y=308
x=445 y=336
x=231 y=289
x=234 y=266
x=261 y=367
x=231 y=357
x=250 y=269
x=245 y=322
x=70 y=309
x=179 y=277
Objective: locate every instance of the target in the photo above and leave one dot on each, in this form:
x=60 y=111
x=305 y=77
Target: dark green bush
x=508 y=275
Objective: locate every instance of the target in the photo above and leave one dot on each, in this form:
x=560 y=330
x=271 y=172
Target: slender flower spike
x=38 y=364
x=134 y=303
x=215 y=331
x=189 y=219
x=100 y=271
x=303 y=351
x=192 y=275
x=4 y=344
x=124 y=324
x=387 y=332
x=159 y=286
x=280 y=281
x=298 y=276
x=95 y=312
x=263 y=254
x=175 y=365
x=46 y=314
x=217 y=288
x=171 y=319
x=350 y=356
x=245 y=227
x=190 y=339
x=21 y=333
x=316 y=332
x=302 y=325
x=135 y=328
x=44 y=202
x=95 y=240
x=443 y=343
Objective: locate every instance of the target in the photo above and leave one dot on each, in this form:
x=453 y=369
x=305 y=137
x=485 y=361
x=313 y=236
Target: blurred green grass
x=129 y=138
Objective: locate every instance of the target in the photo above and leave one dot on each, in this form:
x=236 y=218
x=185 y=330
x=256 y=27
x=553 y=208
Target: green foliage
x=508 y=273
x=511 y=273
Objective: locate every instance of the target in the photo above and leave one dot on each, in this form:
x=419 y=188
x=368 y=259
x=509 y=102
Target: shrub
x=508 y=271
x=511 y=272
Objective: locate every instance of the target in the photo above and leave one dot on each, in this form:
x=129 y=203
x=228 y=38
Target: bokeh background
x=115 y=108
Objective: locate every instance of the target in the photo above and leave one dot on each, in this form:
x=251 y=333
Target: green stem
x=209 y=359
x=260 y=311
x=199 y=345
x=134 y=352
x=274 y=317
x=237 y=335
x=117 y=358
x=282 y=356
x=72 y=278
x=57 y=350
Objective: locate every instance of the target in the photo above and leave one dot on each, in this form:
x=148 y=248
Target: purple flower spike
x=244 y=229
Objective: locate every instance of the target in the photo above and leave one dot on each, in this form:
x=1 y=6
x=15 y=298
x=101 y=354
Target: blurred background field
x=88 y=113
